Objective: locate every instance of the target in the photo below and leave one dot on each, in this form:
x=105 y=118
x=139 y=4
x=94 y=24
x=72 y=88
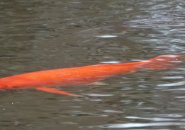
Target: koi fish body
x=47 y=79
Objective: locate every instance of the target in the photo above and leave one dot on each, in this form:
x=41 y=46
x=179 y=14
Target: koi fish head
x=170 y=58
x=164 y=62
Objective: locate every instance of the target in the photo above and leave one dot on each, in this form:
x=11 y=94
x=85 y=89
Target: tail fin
x=164 y=62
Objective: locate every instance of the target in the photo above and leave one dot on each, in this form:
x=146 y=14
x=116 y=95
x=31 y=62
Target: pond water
x=38 y=35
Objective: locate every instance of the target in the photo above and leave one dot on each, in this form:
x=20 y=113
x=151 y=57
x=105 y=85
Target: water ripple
x=98 y=95
x=162 y=27
x=152 y=118
x=172 y=77
x=107 y=36
x=180 y=83
x=142 y=125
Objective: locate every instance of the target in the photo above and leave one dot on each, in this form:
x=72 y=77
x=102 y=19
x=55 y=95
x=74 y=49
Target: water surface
x=37 y=35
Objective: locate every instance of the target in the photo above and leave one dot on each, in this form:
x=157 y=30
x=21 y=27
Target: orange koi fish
x=48 y=80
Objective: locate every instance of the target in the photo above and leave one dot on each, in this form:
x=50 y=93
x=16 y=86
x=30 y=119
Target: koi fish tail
x=163 y=62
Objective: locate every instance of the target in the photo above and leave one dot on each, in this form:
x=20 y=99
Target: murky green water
x=38 y=35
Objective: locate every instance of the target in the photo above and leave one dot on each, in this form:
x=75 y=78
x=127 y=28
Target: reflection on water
x=37 y=35
x=143 y=125
x=107 y=36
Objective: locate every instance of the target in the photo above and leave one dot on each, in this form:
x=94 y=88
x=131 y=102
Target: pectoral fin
x=55 y=91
